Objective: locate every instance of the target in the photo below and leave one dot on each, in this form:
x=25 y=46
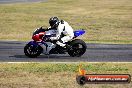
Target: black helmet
x=54 y=22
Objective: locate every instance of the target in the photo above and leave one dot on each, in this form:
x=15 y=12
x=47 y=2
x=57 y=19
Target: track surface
x=12 y=51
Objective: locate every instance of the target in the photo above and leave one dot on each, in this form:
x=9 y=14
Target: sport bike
x=41 y=43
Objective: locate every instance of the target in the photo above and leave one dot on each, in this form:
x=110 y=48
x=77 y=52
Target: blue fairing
x=33 y=43
x=78 y=33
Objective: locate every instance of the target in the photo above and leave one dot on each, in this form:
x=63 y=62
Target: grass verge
x=104 y=20
x=62 y=75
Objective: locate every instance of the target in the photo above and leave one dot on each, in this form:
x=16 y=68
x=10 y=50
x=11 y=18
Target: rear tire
x=78 y=48
x=32 y=51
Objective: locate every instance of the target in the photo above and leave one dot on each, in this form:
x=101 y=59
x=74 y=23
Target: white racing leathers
x=64 y=33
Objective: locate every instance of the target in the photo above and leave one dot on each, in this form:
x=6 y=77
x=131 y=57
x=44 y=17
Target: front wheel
x=32 y=51
x=78 y=48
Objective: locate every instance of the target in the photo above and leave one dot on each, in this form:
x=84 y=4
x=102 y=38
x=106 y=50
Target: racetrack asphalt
x=13 y=51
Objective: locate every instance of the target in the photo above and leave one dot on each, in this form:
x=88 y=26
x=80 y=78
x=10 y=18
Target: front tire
x=78 y=48
x=32 y=51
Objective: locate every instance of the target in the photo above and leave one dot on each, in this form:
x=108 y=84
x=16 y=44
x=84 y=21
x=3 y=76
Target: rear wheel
x=32 y=51
x=78 y=48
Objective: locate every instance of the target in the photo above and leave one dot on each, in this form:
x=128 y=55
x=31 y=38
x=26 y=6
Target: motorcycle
x=41 y=43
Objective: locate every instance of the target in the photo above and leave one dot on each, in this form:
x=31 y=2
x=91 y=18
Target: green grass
x=104 y=20
x=68 y=67
x=57 y=75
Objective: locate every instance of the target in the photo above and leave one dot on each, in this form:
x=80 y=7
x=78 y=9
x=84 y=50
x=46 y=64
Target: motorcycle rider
x=64 y=31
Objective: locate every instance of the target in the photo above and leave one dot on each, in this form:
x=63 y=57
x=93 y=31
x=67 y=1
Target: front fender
x=33 y=43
